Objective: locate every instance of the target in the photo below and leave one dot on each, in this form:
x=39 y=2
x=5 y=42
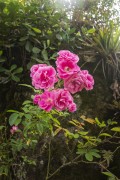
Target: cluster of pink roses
x=44 y=77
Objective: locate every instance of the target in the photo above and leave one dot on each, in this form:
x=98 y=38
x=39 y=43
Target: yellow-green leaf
x=105 y=134
x=36 y=30
x=116 y=129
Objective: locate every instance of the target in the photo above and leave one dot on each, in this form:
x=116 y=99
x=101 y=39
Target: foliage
x=33 y=123
x=83 y=145
x=88 y=145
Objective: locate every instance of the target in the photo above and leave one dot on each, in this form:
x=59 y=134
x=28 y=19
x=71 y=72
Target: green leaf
x=91 y=31
x=35 y=50
x=36 y=30
x=76 y=136
x=48 y=42
x=39 y=128
x=4 y=170
x=72 y=31
x=34 y=141
x=83 y=133
x=100 y=124
x=111 y=122
x=1 y=127
x=89 y=156
x=2 y=60
x=28 y=125
x=105 y=134
x=27 y=102
x=28 y=116
x=12 y=111
x=31 y=33
x=2 y=69
x=59 y=37
x=9 y=45
x=94 y=150
x=18 y=70
x=38 y=60
x=108 y=174
x=12 y=119
x=15 y=78
x=56 y=121
x=95 y=154
x=116 y=129
x=18 y=121
x=14 y=66
x=28 y=46
x=24 y=38
x=49 y=32
x=1 y=52
x=45 y=54
x=81 y=151
x=112 y=178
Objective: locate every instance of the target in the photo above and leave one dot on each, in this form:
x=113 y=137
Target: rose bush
x=74 y=79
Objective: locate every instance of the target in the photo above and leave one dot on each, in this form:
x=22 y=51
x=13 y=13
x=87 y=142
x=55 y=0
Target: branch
x=49 y=155
x=86 y=162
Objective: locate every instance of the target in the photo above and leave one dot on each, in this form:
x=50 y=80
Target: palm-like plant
x=105 y=44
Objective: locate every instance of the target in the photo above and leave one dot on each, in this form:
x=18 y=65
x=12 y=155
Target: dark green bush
x=30 y=33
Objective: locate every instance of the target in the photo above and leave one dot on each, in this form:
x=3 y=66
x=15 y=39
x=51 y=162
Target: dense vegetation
x=36 y=144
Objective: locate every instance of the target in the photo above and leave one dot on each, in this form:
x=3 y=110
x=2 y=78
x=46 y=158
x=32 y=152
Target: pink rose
x=44 y=77
x=47 y=101
x=78 y=81
x=13 y=129
x=35 y=67
x=72 y=107
x=74 y=83
x=88 y=80
x=67 y=68
x=65 y=55
x=36 y=98
x=63 y=99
